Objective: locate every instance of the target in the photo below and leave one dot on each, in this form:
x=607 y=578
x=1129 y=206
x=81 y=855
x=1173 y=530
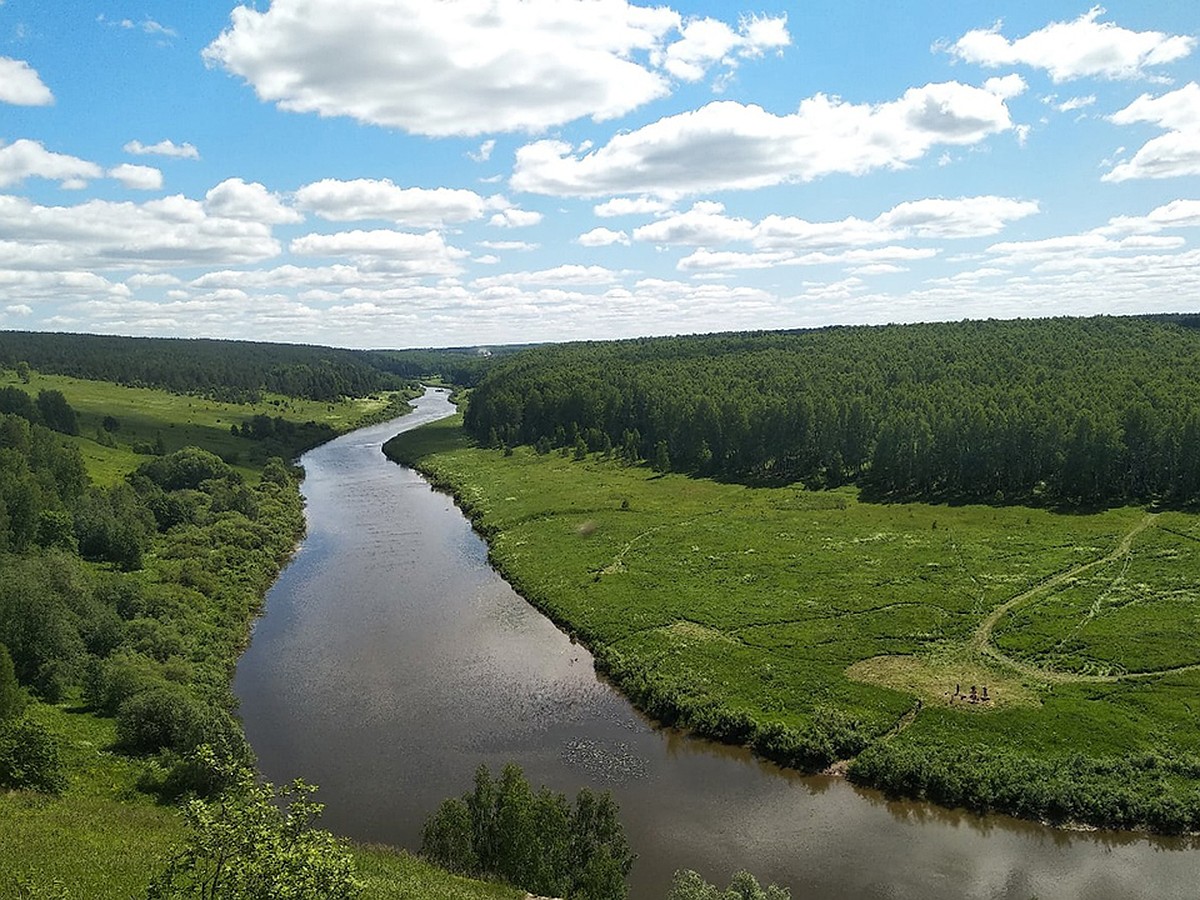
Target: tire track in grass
x=981 y=639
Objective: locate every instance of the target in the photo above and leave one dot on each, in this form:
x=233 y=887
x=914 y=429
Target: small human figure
x=985 y=693
x=974 y=695
x=957 y=689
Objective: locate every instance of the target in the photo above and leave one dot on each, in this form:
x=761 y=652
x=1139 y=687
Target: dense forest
x=1068 y=411
x=236 y=371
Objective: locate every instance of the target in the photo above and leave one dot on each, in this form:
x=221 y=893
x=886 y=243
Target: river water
x=392 y=660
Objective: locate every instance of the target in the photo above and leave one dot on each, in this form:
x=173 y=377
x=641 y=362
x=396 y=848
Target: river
x=391 y=660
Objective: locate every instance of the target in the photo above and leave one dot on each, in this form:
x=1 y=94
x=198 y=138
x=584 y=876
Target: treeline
x=235 y=371
x=463 y=367
x=1080 y=412
x=1150 y=790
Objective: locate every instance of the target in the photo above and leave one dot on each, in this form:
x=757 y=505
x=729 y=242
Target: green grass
x=777 y=603
x=101 y=838
x=182 y=420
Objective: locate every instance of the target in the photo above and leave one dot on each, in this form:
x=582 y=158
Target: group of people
x=974 y=697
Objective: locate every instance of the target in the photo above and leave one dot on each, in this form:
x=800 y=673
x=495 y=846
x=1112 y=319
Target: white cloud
x=99 y=234
x=20 y=84
x=705 y=42
x=625 y=206
x=364 y=198
x=1080 y=48
x=1008 y=86
x=1176 y=214
x=706 y=260
x=727 y=145
x=1073 y=103
x=385 y=250
x=569 y=274
x=1169 y=155
x=703 y=225
x=509 y=245
x=234 y=198
x=19 y=309
x=515 y=218
x=138 y=178
x=964 y=217
x=484 y=153
x=602 y=237
x=475 y=66
x=29 y=159
x=163 y=148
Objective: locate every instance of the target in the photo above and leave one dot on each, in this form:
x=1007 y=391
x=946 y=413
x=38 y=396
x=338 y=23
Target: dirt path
x=981 y=639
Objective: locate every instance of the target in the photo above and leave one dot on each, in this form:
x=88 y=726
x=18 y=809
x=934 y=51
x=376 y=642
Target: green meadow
x=827 y=631
x=144 y=415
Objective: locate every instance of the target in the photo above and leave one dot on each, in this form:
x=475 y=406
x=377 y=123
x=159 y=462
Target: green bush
x=30 y=758
x=254 y=842
x=688 y=885
x=164 y=717
x=533 y=840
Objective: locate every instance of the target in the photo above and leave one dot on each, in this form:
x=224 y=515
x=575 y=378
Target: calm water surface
x=392 y=660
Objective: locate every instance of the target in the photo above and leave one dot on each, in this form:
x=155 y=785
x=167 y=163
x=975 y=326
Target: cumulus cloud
x=509 y=245
x=705 y=260
x=20 y=84
x=515 y=218
x=627 y=206
x=234 y=198
x=162 y=148
x=569 y=274
x=99 y=234
x=1083 y=47
x=30 y=159
x=728 y=145
x=602 y=237
x=1169 y=155
x=1176 y=214
x=704 y=224
x=706 y=41
x=475 y=66
x=399 y=252
x=364 y=198
x=964 y=217
x=138 y=178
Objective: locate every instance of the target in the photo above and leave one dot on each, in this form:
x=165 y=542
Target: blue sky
x=379 y=173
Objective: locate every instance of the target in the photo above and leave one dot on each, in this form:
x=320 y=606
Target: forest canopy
x=1067 y=411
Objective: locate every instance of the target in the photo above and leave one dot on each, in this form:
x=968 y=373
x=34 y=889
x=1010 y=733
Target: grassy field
x=145 y=414
x=738 y=609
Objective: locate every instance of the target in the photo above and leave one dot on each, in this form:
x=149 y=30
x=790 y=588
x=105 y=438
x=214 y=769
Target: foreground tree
x=688 y=885
x=534 y=840
x=255 y=842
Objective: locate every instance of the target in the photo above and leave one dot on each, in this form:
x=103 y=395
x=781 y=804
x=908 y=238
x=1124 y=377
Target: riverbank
x=173 y=629
x=806 y=624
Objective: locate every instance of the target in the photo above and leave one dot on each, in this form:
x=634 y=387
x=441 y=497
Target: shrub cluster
x=1155 y=791
x=503 y=829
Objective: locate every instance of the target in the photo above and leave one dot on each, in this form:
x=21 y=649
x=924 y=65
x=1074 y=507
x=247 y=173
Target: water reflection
x=392 y=661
